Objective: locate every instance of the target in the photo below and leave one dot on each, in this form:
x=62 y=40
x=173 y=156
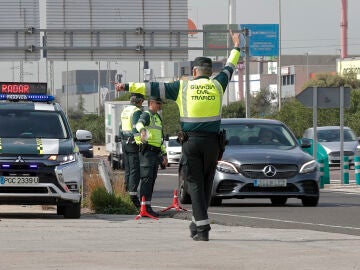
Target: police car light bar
x=30 y=97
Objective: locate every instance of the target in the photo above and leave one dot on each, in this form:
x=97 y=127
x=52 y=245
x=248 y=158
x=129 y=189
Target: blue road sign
x=263 y=38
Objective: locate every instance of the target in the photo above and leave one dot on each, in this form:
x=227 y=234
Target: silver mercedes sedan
x=329 y=138
x=262 y=159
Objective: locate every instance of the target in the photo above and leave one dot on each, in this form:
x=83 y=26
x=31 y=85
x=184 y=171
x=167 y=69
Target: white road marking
x=167 y=174
x=279 y=220
x=287 y=221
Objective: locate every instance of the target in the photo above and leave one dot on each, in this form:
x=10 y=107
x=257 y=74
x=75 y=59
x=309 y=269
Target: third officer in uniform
x=200 y=103
x=151 y=148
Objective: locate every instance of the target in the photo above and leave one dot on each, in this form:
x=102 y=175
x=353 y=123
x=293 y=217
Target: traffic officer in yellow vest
x=200 y=103
x=130 y=139
x=151 y=148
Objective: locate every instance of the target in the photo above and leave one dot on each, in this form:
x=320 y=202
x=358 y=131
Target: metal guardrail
x=98 y=165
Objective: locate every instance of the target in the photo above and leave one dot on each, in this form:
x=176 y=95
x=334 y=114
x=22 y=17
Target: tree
x=171 y=118
x=295 y=115
x=92 y=122
x=81 y=103
x=234 y=110
x=331 y=80
x=261 y=103
x=298 y=117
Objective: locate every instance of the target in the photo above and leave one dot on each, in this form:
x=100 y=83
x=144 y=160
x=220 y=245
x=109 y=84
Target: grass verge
x=100 y=201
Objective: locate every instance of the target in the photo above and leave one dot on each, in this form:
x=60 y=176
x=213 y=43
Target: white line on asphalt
x=279 y=220
x=168 y=174
x=342 y=191
x=287 y=221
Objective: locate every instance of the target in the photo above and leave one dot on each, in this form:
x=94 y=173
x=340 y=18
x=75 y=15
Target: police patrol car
x=40 y=163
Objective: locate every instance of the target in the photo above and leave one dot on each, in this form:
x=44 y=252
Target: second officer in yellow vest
x=130 y=139
x=151 y=149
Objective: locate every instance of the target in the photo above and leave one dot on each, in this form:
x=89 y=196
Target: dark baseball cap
x=157 y=99
x=138 y=95
x=203 y=62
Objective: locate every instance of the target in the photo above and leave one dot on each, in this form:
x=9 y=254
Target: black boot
x=202 y=233
x=151 y=211
x=201 y=236
x=135 y=201
x=193 y=230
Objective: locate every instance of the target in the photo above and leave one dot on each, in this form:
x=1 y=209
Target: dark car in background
x=86 y=147
x=253 y=166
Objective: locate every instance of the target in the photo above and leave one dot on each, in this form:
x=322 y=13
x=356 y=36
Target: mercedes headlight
x=309 y=167
x=226 y=167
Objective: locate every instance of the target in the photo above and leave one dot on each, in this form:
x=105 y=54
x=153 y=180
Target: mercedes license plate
x=18 y=180
x=270 y=183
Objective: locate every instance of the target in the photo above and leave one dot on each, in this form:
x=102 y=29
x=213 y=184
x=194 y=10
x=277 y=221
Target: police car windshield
x=32 y=124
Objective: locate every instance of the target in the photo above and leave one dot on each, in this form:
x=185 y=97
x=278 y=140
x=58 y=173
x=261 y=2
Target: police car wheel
x=60 y=209
x=72 y=210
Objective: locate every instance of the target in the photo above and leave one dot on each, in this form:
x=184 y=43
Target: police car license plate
x=18 y=180
x=270 y=183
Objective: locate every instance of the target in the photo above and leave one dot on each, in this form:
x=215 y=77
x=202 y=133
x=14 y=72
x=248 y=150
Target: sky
x=307 y=26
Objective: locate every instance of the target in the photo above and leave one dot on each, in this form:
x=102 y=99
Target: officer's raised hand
x=235 y=38
x=120 y=86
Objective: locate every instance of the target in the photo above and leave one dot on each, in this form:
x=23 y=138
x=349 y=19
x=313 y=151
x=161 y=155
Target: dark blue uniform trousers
x=132 y=170
x=149 y=163
x=199 y=159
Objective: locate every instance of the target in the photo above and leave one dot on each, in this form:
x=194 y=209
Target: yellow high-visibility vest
x=200 y=100
x=154 y=130
x=126 y=121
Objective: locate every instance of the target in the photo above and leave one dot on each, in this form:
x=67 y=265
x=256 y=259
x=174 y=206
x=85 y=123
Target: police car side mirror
x=83 y=135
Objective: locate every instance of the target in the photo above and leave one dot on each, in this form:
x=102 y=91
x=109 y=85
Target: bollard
x=321 y=165
x=346 y=170
x=357 y=169
x=326 y=176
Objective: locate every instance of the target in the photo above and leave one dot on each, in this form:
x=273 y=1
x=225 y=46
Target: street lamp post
x=67 y=87
x=339 y=70
x=98 y=81
x=307 y=66
x=279 y=59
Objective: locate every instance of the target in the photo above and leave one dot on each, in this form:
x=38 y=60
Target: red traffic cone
x=175 y=203
x=143 y=211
